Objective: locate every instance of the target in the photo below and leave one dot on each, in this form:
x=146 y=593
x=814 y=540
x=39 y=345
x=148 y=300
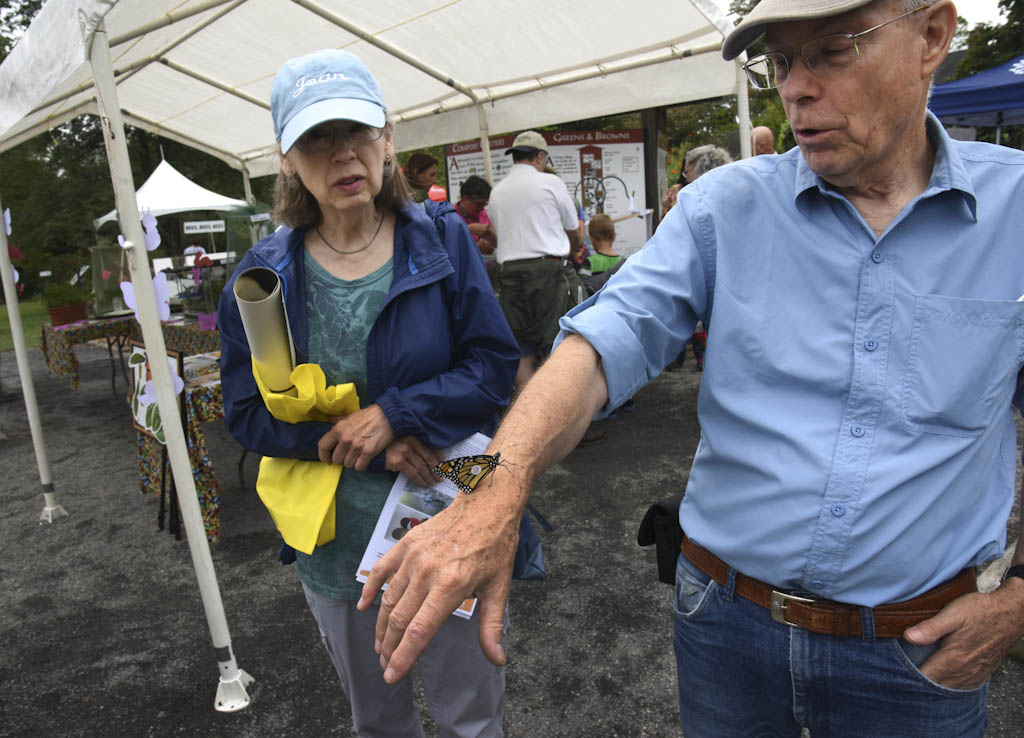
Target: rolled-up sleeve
x=644 y=315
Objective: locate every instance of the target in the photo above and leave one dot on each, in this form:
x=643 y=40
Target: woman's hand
x=414 y=459
x=356 y=439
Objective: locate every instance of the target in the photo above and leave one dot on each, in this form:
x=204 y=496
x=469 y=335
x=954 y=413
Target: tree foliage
x=989 y=45
x=57 y=183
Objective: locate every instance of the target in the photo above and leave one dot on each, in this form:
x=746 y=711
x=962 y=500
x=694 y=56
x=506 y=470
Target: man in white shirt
x=537 y=227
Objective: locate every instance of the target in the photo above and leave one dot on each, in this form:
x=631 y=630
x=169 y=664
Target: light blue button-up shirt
x=857 y=430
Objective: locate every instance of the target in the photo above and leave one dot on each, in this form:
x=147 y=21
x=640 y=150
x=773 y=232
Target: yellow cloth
x=300 y=495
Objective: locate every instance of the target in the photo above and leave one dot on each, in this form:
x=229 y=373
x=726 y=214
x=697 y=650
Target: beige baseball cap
x=776 y=11
x=528 y=142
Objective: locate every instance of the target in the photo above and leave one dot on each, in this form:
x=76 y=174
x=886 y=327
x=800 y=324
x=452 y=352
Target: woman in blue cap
x=394 y=297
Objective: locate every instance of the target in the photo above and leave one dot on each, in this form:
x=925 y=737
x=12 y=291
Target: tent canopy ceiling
x=169 y=191
x=200 y=71
x=994 y=97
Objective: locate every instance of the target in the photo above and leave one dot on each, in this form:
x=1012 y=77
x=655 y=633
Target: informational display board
x=603 y=171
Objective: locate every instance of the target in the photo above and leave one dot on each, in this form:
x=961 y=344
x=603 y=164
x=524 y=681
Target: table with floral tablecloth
x=58 y=343
x=203 y=400
x=186 y=336
x=203 y=403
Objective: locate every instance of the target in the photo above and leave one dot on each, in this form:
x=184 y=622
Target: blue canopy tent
x=994 y=97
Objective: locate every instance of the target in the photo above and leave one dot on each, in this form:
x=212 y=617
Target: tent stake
x=231 y=691
x=51 y=509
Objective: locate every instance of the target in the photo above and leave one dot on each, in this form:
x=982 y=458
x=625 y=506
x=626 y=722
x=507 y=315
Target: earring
x=389 y=166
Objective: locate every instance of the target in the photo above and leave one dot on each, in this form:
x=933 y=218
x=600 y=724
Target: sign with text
x=204 y=226
x=603 y=171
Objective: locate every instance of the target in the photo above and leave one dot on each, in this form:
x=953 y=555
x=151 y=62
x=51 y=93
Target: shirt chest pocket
x=962 y=364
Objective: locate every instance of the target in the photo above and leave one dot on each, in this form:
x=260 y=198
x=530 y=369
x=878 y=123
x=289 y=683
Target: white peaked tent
x=169 y=191
x=200 y=71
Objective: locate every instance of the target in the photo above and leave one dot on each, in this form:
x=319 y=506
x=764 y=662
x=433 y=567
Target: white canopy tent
x=169 y=191
x=200 y=71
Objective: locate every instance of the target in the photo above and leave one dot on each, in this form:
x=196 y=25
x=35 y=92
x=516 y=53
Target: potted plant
x=65 y=302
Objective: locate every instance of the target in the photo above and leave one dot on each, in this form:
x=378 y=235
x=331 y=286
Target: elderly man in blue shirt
x=858 y=449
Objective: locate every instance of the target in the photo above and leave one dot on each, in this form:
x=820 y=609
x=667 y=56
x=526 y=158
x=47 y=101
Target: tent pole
x=51 y=509
x=999 y=135
x=231 y=692
x=743 y=107
x=247 y=187
x=485 y=145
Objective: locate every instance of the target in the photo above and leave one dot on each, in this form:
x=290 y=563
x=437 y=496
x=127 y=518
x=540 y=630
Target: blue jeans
x=741 y=674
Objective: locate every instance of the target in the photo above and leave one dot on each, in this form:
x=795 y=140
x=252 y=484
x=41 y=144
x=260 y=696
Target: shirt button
x=857 y=431
x=870 y=344
x=877 y=257
x=839 y=510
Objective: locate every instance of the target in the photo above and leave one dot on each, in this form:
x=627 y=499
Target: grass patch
x=33 y=317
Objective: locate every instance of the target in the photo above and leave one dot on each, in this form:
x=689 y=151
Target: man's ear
x=940 y=24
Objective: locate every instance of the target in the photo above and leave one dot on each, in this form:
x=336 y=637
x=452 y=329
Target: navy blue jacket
x=440 y=356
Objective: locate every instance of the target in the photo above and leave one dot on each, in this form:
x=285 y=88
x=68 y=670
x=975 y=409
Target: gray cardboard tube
x=261 y=305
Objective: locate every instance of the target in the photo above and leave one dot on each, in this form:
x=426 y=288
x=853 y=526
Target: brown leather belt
x=826 y=616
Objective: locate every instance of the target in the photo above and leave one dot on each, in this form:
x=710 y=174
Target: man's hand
x=976 y=630
x=414 y=459
x=356 y=439
x=465 y=550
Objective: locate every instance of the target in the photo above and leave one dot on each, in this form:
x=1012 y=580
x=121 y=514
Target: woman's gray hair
x=703 y=159
x=295 y=206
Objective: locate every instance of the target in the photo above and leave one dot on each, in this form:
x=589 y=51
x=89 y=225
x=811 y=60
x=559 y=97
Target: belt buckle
x=778 y=608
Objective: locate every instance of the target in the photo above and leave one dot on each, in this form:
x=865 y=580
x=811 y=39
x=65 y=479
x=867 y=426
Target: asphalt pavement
x=102 y=631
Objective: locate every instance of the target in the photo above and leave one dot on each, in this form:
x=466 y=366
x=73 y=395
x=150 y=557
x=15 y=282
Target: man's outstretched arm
x=468 y=549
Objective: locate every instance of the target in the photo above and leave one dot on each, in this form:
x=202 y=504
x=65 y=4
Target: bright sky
x=979 y=11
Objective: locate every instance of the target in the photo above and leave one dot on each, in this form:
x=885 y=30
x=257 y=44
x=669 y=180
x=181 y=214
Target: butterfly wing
x=466 y=472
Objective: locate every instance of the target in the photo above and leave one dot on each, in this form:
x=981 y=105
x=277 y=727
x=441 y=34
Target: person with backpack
x=392 y=296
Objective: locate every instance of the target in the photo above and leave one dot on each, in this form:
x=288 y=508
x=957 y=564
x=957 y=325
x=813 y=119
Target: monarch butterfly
x=466 y=472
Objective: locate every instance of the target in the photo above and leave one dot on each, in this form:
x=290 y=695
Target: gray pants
x=464 y=691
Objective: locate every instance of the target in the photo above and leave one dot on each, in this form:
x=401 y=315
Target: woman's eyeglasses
x=327 y=136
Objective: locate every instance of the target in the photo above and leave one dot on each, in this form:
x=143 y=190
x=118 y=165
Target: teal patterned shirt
x=340 y=315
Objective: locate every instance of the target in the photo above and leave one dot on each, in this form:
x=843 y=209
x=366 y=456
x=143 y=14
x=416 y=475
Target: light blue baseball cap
x=321 y=86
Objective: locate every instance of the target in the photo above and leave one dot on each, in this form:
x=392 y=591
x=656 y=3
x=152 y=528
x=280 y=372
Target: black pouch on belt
x=660 y=526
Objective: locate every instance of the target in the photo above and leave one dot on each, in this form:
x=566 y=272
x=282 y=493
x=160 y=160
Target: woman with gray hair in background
x=703 y=159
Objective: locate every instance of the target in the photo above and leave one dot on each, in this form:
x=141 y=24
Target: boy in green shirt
x=602 y=236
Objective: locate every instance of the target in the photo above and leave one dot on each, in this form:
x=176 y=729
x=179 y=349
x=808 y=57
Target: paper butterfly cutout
x=466 y=472
x=7 y=221
x=148 y=396
x=163 y=297
x=151 y=234
x=207 y=321
x=15 y=273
